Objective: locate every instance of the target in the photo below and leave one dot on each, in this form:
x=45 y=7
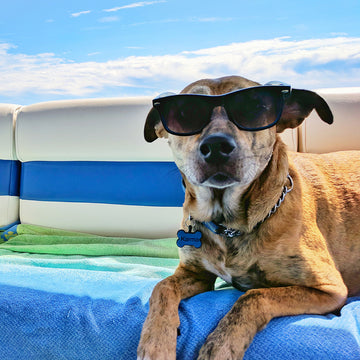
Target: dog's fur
x=304 y=259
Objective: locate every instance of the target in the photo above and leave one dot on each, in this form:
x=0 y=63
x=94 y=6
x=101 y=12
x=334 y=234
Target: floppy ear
x=152 y=120
x=299 y=106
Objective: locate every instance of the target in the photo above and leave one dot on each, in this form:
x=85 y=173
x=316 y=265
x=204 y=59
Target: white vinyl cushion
x=98 y=131
x=290 y=138
x=92 y=130
x=7 y=123
x=9 y=203
x=87 y=130
x=104 y=219
x=343 y=134
x=9 y=210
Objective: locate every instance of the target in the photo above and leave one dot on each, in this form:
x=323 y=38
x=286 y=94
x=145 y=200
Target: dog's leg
x=256 y=308
x=158 y=337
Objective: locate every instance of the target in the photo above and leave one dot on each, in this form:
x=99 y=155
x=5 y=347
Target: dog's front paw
x=157 y=346
x=223 y=344
x=156 y=351
x=213 y=350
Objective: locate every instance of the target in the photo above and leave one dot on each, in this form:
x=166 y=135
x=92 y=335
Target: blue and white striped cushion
x=86 y=167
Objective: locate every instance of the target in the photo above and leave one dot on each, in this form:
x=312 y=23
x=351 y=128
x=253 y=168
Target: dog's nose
x=217 y=148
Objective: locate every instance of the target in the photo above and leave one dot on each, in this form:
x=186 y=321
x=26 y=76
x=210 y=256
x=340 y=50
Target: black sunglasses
x=251 y=109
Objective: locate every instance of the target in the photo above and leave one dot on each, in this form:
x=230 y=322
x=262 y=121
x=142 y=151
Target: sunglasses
x=250 y=109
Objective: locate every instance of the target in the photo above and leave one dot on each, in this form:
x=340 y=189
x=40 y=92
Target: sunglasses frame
x=218 y=100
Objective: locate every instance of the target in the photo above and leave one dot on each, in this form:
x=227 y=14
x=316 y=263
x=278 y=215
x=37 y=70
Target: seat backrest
x=319 y=137
x=86 y=167
x=9 y=168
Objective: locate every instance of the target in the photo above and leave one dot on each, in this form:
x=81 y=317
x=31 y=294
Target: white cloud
x=134 y=5
x=81 y=13
x=339 y=34
x=212 y=19
x=152 y=22
x=135 y=47
x=314 y=63
x=108 y=19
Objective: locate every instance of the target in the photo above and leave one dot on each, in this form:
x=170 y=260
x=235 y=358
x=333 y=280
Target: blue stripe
x=126 y=183
x=9 y=177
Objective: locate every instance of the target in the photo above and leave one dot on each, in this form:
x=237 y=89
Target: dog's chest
x=233 y=262
x=241 y=276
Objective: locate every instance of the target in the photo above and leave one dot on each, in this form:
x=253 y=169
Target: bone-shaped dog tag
x=189 y=238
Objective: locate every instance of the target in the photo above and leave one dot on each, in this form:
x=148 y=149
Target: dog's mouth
x=220 y=180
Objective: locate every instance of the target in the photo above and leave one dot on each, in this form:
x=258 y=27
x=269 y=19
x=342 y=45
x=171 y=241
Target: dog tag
x=189 y=238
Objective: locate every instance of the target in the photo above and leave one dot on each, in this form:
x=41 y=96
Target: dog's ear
x=299 y=105
x=152 y=122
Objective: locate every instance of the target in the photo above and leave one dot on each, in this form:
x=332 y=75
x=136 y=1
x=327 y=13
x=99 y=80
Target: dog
x=283 y=227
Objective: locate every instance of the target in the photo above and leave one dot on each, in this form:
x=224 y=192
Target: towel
x=59 y=302
x=43 y=240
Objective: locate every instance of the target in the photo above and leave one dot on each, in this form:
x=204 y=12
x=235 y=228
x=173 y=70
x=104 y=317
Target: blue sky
x=62 y=49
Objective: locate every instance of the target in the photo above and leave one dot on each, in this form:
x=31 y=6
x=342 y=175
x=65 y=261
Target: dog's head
x=229 y=140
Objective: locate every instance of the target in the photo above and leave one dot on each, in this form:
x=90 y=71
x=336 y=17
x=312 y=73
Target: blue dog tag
x=189 y=238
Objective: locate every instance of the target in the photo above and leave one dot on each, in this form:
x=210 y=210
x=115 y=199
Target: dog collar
x=222 y=230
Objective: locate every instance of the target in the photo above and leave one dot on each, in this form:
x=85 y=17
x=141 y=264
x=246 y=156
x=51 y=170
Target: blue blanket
x=93 y=307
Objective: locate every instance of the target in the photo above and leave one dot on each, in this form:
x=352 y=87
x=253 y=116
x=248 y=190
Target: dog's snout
x=217 y=148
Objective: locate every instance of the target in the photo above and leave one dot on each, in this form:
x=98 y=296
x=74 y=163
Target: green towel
x=42 y=240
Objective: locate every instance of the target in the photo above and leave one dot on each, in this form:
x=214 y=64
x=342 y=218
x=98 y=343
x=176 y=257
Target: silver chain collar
x=222 y=230
x=286 y=190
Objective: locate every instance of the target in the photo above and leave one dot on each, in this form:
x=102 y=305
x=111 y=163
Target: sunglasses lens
x=184 y=115
x=254 y=109
x=250 y=109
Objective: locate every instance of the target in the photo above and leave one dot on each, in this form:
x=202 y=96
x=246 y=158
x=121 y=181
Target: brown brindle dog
x=301 y=259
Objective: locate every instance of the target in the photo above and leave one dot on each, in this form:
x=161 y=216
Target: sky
x=71 y=49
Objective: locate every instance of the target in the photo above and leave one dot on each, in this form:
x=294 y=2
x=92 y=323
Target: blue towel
x=82 y=307
x=39 y=325
x=36 y=324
